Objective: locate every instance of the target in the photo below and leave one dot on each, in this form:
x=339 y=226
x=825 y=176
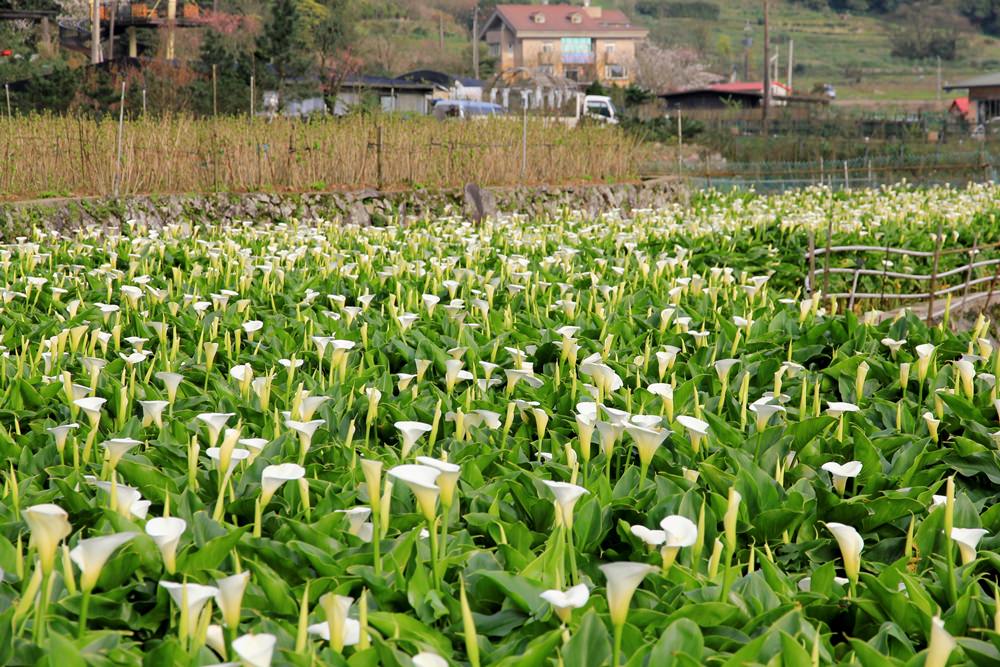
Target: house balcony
x=579 y=58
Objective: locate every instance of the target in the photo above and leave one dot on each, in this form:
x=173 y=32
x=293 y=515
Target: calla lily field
x=626 y=439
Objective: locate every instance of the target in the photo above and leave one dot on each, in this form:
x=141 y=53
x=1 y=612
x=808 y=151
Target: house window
x=615 y=72
x=495 y=50
x=609 y=48
x=546 y=69
x=538 y=18
x=547 y=47
x=510 y=47
x=576 y=18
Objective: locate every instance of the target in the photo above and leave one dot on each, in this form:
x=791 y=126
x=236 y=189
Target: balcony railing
x=578 y=58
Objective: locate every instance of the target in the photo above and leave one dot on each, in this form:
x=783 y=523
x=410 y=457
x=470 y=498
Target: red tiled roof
x=961 y=104
x=558 y=18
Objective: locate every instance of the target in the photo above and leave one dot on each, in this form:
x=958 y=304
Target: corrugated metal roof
x=982 y=81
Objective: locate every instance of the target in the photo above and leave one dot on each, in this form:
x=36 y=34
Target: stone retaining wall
x=367 y=207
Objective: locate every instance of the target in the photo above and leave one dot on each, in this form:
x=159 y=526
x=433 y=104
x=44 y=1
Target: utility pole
x=938 y=91
x=747 y=43
x=95 y=32
x=171 y=27
x=766 y=99
x=111 y=29
x=441 y=31
x=791 y=53
x=475 y=41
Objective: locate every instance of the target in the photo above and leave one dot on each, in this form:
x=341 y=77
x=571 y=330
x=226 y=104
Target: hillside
x=852 y=51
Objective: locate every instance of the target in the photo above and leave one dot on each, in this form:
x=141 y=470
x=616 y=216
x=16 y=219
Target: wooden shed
x=984 y=97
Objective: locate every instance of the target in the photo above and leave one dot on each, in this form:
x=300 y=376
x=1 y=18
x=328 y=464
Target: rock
x=359 y=215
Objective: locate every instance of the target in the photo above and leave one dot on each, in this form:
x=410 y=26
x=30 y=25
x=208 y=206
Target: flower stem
x=574 y=574
x=616 y=655
x=84 y=608
x=950 y=584
x=432 y=529
x=444 y=536
x=377 y=545
x=727 y=575
x=41 y=611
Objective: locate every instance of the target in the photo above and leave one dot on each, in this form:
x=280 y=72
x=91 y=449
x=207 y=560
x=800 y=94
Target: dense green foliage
x=983 y=13
x=238 y=443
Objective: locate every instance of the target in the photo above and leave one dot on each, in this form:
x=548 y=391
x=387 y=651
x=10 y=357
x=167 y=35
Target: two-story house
x=578 y=42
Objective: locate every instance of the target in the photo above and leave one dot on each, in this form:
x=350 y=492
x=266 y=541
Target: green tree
x=232 y=78
x=53 y=92
x=984 y=13
x=336 y=31
x=282 y=47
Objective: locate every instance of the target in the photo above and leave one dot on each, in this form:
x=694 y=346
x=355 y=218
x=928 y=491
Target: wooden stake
x=121 y=129
x=934 y=275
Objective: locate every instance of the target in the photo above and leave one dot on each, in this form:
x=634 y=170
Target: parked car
x=466 y=109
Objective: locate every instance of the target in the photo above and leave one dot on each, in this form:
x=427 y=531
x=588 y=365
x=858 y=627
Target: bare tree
x=661 y=70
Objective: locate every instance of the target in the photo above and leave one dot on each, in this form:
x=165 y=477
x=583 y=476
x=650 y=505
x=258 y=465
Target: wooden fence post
x=885 y=271
x=826 y=257
x=379 y=176
x=934 y=272
x=968 y=273
x=121 y=129
x=811 y=281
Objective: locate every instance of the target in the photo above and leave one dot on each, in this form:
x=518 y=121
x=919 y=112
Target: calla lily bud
x=715 y=559
x=859 y=380
x=372 y=470
x=729 y=520
x=949 y=505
